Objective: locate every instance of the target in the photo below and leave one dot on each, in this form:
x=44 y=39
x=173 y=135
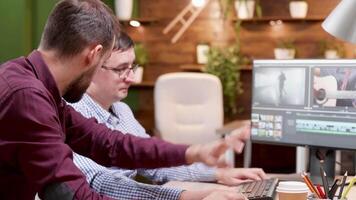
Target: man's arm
x=44 y=161
x=200 y=172
x=208 y=153
x=109 y=182
x=195 y=172
x=112 y=148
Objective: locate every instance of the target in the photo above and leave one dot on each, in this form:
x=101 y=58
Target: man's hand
x=235 y=176
x=237 y=138
x=225 y=195
x=211 y=195
x=213 y=153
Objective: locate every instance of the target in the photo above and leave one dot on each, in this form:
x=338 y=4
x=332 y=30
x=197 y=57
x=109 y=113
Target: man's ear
x=94 y=54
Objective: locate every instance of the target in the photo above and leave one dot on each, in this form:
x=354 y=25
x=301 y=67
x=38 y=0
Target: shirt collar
x=42 y=73
x=102 y=114
x=115 y=109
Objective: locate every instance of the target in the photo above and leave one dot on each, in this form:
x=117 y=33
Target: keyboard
x=259 y=190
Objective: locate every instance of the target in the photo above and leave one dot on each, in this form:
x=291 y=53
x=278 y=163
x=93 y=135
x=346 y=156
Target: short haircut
x=73 y=25
x=123 y=42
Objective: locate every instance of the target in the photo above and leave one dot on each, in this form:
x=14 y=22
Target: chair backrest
x=188 y=107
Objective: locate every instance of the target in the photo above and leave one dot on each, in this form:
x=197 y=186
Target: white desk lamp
x=341 y=23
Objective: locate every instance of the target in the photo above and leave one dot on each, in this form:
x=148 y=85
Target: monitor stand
x=315 y=157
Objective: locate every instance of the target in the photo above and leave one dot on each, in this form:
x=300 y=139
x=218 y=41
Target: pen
x=353 y=180
x=310 y=185
x=324 y=180
x=333 y=189
x=318 y=187
x=342 y=184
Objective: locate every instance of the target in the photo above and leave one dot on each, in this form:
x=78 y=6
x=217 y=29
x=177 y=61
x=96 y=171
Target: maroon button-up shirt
x=38 y=132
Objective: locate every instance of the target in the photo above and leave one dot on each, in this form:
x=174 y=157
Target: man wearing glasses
x=102 y=101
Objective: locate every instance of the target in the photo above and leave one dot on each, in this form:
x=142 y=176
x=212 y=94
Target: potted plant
x=331 y=50
x=245 y=9
x=225 y=64
x=298 y=8
x=123 y=9
x=285 y=50
x=141 y=60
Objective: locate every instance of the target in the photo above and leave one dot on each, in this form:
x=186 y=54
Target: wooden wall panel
x=258 y=39
x=280 y=7
x=306 y=35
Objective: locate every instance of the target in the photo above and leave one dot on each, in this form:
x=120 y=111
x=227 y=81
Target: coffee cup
x=292 y=190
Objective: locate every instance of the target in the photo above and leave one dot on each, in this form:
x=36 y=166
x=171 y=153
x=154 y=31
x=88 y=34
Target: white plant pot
x=138 y=75
x=280 y=53
x=298 y=9
x=202 y=53
x=331 y=54
x=123 y=9
x=245 y=9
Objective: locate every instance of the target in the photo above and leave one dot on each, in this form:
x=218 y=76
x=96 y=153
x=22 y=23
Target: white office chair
x=188 y=107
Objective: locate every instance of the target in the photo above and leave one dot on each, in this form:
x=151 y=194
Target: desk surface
x=202 y=186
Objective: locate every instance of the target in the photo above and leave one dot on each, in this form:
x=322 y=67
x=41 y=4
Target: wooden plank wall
x=257 y=41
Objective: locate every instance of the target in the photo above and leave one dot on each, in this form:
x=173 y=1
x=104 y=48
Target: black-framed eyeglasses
x=123 y=72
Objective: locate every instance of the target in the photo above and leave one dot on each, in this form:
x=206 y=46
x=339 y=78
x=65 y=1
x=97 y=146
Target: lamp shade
x=341 y=23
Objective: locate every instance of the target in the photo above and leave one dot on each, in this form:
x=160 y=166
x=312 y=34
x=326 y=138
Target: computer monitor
x=307 y=103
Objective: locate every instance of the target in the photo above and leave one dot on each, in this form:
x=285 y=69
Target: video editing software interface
x=304 y=102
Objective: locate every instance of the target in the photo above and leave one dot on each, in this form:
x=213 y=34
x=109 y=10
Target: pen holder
x=335 y=198
x=313 y=197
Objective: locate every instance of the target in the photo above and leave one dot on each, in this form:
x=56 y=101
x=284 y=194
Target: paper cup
x=292 y=190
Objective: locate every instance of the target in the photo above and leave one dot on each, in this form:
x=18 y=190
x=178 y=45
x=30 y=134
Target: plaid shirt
x=106 y=180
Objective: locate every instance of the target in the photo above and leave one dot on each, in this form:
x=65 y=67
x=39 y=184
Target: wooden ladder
x=180 y=18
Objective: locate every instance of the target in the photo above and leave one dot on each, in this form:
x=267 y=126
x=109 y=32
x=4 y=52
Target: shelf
x=143 y=21
x=246 y=68
x=283 y=18
x=192 y=67
x=199 y=68
x=144 y=84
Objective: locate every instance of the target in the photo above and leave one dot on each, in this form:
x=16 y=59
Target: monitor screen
x=304 y=102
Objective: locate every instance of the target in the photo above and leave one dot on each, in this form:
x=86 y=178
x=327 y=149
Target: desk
x=207 y=186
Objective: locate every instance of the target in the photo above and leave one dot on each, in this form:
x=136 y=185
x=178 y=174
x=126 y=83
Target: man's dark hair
x=73 y=25
x=123 y=42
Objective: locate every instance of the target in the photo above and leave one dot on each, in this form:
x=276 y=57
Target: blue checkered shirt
x=118 y=183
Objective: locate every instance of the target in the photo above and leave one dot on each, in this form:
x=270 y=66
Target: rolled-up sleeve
x=195 y=172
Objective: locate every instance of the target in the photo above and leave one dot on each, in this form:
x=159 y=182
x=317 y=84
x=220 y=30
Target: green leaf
x=225 y=64
x=141 y=54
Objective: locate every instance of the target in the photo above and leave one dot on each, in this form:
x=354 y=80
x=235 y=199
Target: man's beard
x=77 y=87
